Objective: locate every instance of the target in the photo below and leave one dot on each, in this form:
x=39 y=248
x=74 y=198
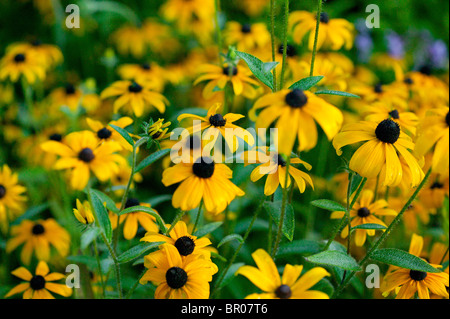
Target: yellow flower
x=333 y=33
x=407 y=282
x=82 y=153
x=434 y=132
x=296 y=112
x=106 y=134
x=185 y=12
x=68 y=96
x=201 y=180
x=215 y=124
x=133 y=220
x=186 y=243
x=391 y=95
x=290 y=286
x=83 y=212
x=379 y=155
x=177 y=277
x=37 y=237
x=150 y=73
x=39 y=285
x=434 y=193
x=18 y=63
x=218 y=77
x=274 y=166
x=11 y=196
x=366 y=211
x=130 y=40
x=50 y=54
x=158 y=130
x=253 y=7
x=134 y=97
x=246 y=36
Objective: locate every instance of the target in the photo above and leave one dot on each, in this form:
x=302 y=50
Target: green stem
x=175 y=221
x=286 y=19
x=233 y=258
x=218 y=31
x=132 y=289
x=283 y=211
x=385 y=234
x=316 y=36
x=116 y=265
x=198 y=216
x=272 y=36
x=99 y=267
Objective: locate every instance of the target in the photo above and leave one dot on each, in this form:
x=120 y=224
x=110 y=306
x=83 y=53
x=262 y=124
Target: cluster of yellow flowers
x=88 y=141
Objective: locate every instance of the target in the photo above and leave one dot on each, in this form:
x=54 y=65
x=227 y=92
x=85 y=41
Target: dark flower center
x=2 y=191
x=378 y=88
x=145 y=66
x=226 y=70
x=55 y=137
x=280 y=160
x=324 y=18
x=388 y=131
x=408 y=81
x=135 y=88
x=447 y=119
x=217 y=120
x=417 y=275
x=70 y=89
x=437 y=185
x=246 y=28
x=104 y=133
x=394 y=114
x=203 y=169
x=19 y=58
x=36 y=43
x=131 y=202
x=157 y=134
x=193 y=142
x=185 y=245
x=363 y=212
x=38 y=229
x=426 y=69
x=291 y=51
x=176 y=277
x=37 y=282
x=86 y=155
x=296 y=98
x=283 y=292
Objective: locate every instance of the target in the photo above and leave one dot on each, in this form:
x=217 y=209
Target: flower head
x=11 y=196
x=83 y=212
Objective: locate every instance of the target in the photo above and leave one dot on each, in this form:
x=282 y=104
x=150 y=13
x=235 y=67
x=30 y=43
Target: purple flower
x=438 y=54
x=395 y=44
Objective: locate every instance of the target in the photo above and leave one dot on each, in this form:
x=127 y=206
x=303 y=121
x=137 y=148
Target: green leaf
x=89 y=236
x=328 y=205
x=269 y=66
x=151 y=159
x=229 y=238
x=154 y=201
x=340 y=93
x=89 y=261
x=299 y=247
x=206 y=229
x=257 y=67
x=229 y=276
x=102 y=214
x=150 y=211
x=335 y=258
x=370 y=226
x=110 y=204
x=355 y=182
x=137 y=251
x=33 y=211
x=306 y=83
x=124 y=134
x=274 y=209
x=402 y=259
x=220 y=257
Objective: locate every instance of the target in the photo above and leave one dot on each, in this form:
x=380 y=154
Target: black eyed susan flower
x=69 y=96
x=333 y=33
x=433 y=195
x=130 y=40
x=83 y=212
x=253 y=7
x=19 y=63
x=201 y=180
x=119 y=181
x=247 y=36
x=274 y=166
x=144 y=73
x=158 y=130
x=290 y=286
x=384 y=143
x=296 y=112
x=407 y=282
x=186 y=243
x=177 y=277
x=434 y=133
x=106 y=133
x=11 y=196
x=366 y=211
x=40 y=285
x=215 y=124
x=184 y=12
x=134 y=97
x=389 y=94
x=219 y=77
x=133 y=220
x=37 y=237
x=82 y=153
x=50 y=54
